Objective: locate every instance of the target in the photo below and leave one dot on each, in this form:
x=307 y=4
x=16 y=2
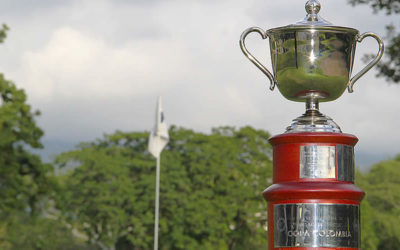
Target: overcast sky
x=92 y=67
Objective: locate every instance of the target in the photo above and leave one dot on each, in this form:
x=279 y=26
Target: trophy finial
x=313 y=7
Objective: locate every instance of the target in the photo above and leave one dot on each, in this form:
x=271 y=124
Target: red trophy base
x=313 y=202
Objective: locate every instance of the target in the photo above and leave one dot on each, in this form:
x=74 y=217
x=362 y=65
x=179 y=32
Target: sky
x=94 y=67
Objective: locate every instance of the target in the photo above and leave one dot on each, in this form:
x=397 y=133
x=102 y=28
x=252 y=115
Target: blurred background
x=96 y=67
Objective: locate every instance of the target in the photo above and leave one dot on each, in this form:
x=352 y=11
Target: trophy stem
x=312 y=109
x=312 y=105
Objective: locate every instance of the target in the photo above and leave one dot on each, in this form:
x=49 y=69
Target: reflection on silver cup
x=312 y=61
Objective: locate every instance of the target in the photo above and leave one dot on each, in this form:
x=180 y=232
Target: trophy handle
x=360 y=38
x=264 y=35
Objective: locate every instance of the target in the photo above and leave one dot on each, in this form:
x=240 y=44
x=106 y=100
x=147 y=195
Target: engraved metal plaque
x=317 y=161
x=345 y=163
x=316 y=225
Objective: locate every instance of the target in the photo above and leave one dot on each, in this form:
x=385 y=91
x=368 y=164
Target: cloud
x=26 y=6
x=75 y=66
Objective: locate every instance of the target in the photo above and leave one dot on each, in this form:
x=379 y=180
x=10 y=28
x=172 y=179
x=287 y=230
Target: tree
x=389 y=67
x=24 y=179
x=33 y=233
x=211 y=190
x=369 y=237
x=26 y=183
x=381 y=206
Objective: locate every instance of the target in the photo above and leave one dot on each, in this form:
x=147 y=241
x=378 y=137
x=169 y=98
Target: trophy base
x=313 y=202
x=313 y=121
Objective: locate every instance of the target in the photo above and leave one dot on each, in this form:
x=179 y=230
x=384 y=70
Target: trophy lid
x=313 y=20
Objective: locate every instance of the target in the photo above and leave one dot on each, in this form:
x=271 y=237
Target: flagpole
x=158 y=139
x=157 y=203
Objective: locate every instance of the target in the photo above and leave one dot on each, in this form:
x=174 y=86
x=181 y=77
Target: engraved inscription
x=345 y=163
x=316 y=225
x=317 y=161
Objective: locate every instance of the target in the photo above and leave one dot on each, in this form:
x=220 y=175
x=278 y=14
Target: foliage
x=381 y=206
x=210 y=193
x=390 y=66
x=3 y=32
x=390 y=6
x=32 y=233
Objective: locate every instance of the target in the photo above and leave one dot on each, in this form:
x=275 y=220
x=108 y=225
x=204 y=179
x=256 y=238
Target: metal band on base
x=316 y=225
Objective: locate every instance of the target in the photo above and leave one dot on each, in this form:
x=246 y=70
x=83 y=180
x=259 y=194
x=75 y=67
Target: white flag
x=159 y=135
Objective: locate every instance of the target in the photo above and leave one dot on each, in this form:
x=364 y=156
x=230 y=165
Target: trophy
x=313 y=201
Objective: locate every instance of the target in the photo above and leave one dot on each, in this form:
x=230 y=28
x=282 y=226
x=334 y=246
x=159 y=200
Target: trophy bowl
x=312 y=59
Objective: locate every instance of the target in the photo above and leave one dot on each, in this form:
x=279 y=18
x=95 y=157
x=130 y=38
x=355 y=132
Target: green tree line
x=210 y=190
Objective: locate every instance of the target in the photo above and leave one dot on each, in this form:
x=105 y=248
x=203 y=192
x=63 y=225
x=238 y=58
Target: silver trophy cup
x=312 y=62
